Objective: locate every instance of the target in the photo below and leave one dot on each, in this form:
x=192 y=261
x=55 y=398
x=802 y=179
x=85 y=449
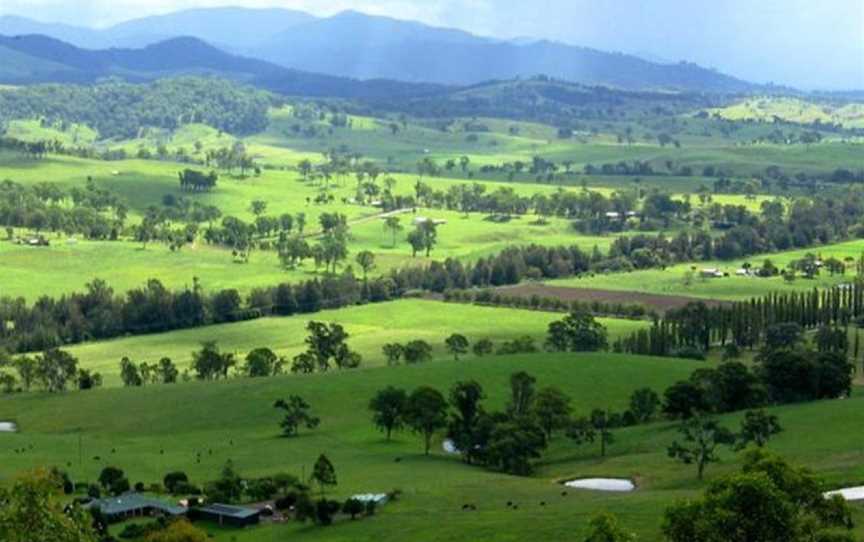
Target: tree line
x=747 y=324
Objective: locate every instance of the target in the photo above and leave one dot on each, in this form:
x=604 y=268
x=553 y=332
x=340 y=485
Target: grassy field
x=31 y=130
x=765 y=109
x=370 y=327
x=154 y=430
x=143 y=183
x=672 y=279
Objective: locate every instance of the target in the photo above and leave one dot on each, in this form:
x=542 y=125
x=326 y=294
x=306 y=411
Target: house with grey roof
x=133 y=505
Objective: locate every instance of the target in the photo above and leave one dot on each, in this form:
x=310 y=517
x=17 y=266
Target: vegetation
x=269 y=261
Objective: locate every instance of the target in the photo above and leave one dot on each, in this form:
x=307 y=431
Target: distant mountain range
x=40 y=59
x=360 y=46
x=234 y=29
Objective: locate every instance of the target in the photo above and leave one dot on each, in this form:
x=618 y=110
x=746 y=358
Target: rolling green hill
x=151 y=431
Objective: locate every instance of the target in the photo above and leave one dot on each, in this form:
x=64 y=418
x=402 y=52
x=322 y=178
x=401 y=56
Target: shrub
x=172 y=479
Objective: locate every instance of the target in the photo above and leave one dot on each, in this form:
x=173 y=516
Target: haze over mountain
x=41 y=59
x=232 y=28
x=360 y=46
x=811 y=45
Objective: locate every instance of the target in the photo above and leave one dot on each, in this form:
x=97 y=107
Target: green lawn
x=370 y=327
x=153 y=430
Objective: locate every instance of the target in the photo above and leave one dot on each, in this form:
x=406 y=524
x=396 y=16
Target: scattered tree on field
x=388 y=409
x=426 y=413
x=701 y=438
x=297 y=412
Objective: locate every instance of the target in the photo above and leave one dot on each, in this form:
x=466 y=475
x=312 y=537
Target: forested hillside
x=119 y=110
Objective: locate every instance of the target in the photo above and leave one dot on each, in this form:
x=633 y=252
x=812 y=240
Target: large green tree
x=701 y=436
x=426 y=413
x=577 y=332
x=388 y=409
x=32 y=509
x=297 y=412
x=769 y=501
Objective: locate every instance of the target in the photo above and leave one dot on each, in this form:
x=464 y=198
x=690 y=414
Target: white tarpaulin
x=602 y=484
x=849 y=493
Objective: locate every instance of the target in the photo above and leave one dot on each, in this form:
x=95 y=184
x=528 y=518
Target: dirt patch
x=659 y=303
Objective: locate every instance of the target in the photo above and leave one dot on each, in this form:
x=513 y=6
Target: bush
x=689 y=352
x=286 y=502
x=172 y=479
x=185 y=488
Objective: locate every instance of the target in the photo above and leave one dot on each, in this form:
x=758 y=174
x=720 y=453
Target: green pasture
x=153 y=430
x=370 y=327
x=796 y=110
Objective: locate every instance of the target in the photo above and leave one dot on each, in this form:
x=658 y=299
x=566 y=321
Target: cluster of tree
x=39 y=149
x=196 y=181
x=326 y=347
x=804 y=223
x=510 y=266
x=90 y=211
x=786 y=371
x=232 y=158
x=35 y=150
x=769 y=500
x=505 y=201
x=119 y=110
x=53 y=370
x=140 y=374
x=331 y=250
x=211 y=363
x=508 y=441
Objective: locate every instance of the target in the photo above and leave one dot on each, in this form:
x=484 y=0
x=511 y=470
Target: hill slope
x=41 y=59
x=379 y=47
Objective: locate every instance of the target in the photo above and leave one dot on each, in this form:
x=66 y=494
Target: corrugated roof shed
x=132 y=502
x=230 y=511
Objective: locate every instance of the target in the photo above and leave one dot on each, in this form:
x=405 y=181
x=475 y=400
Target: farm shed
x=233 y=516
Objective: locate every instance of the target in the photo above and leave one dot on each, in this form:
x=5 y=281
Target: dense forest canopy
x=120 y=110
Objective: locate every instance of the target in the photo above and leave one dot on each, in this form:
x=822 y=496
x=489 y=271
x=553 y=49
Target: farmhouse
x=233 y=516
x=132 y=505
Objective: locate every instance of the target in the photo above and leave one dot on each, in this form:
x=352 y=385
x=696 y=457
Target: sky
x=811 y=44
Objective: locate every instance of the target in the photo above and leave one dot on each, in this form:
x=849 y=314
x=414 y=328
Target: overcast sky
x=807 y=43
